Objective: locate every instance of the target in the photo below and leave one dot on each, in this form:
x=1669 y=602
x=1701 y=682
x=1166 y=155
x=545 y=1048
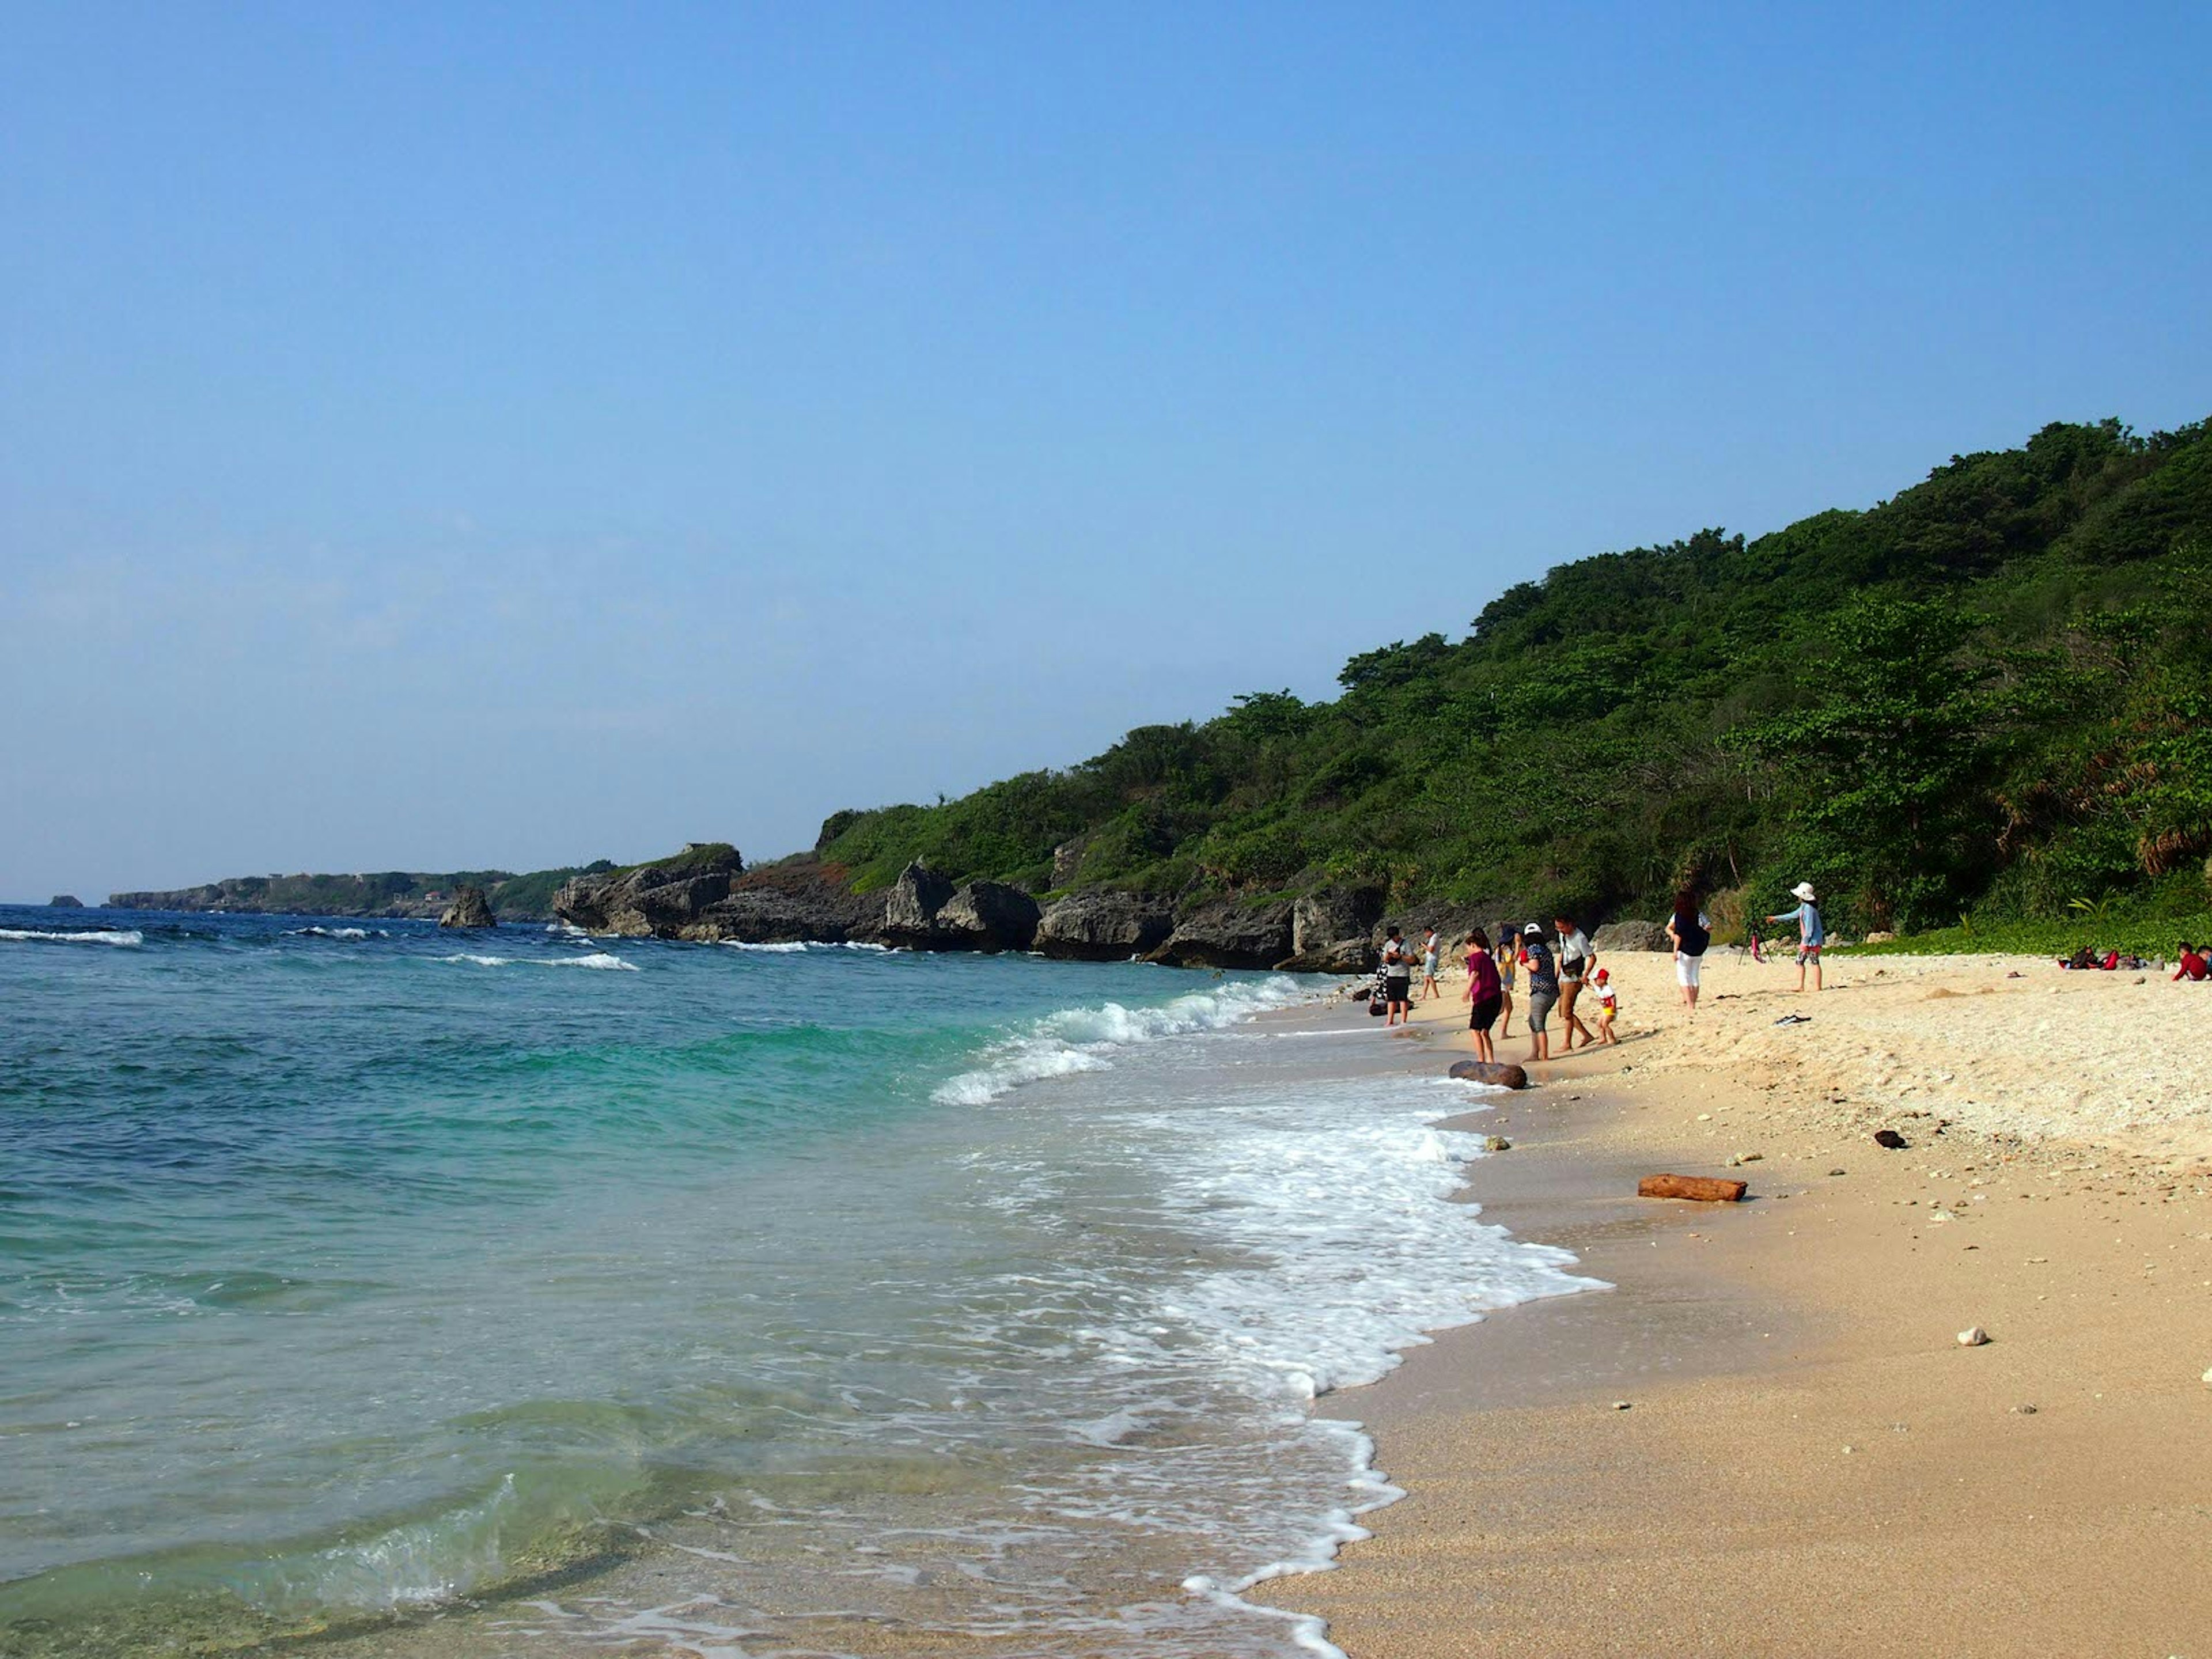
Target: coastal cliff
x=391 y=893
x=707 y=893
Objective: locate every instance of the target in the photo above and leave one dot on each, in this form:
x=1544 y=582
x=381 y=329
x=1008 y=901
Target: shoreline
x=1720 y=1511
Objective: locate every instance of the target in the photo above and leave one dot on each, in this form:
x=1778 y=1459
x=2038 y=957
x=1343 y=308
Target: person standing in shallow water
x=1482 y=993
x=1398 y=979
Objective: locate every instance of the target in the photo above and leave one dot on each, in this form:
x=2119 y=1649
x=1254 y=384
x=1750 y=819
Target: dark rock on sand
x=1229 y=933
x=65 y=902
x=470 y=909
x=1890 y=1139
x=1501 y=1073
x=1631 y=936
x=1104 y=927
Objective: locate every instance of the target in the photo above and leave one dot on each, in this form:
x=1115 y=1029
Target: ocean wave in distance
x=129 y=937
x=596 y=959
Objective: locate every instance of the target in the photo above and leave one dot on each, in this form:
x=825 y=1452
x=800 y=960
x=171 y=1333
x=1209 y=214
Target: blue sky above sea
x=466 y=435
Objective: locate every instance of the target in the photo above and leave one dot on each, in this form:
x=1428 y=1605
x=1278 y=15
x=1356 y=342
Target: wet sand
x=1767 y=1439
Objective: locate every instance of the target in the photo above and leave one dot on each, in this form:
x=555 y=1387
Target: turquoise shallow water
x=351 y=1270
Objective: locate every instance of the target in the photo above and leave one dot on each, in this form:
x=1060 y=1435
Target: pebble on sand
x=1972 y=1337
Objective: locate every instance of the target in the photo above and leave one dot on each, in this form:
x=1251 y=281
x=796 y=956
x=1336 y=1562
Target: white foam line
x=596 y=959
x=129 y=937
x=1081 y=1039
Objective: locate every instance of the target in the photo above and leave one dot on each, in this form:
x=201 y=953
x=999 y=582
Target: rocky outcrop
x=990 y=915
x=659 y=900
x=65 y=902
x=911 y=906
x=470 y=909
x=1631 y=936
x=800 y=900
x=1331 y=932
x=923 y=911
x=1229 y=933
x=1104 y=927
x=1067 y=859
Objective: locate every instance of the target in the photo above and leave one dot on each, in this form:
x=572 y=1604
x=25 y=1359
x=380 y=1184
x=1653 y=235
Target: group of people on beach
x=1692 y=931
x=1555 y=980
x=2193 y=963
x=1557 y=969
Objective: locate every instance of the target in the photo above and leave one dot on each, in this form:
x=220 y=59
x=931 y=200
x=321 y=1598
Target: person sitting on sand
x=1482 y=993
x=1812 y=933
x=1398 y=979
x=1432 y=948
x=2192 y=965
x=1543 y=988
x=1692 y=932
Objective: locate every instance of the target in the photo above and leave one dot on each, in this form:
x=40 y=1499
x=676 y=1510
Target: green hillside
x=1990 y=695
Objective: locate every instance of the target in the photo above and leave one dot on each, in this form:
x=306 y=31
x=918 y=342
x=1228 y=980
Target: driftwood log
x=1490 y=1071
x=1707 y=1189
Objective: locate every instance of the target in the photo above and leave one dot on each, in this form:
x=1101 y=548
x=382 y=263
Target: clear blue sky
x=438 y=435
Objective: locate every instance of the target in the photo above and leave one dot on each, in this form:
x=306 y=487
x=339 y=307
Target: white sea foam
x=340 y=932
x=1345 y=1252
x=596 y=959
x=1082 y=1039
x=127 y=937
x=792 y=947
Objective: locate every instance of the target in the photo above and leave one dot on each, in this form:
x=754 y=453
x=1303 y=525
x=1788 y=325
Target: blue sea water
x=521 y=1292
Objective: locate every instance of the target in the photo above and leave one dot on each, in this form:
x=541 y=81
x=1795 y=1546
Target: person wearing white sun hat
x=1812 y=932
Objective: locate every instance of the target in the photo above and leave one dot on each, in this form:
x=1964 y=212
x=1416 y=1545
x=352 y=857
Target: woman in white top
x=1576 y=962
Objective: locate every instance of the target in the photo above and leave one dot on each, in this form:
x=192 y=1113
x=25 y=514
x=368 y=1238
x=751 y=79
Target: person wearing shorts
x=1692 y=932
x=1543 y=989
x=1432 y=950
x=1577 y=962
x=1509 y=973
x=1812 y=933
x=1398 y=979
x=1484 y=993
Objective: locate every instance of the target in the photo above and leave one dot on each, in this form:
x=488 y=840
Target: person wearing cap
x=1608 y=1005
x=1812 y=933
x=1543 y=988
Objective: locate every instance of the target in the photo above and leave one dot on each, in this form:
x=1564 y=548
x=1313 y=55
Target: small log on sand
x=1490 y=1071
x=1707 y=1189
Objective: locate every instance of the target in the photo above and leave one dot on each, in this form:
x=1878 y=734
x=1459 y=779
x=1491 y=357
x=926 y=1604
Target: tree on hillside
x=1880 y=764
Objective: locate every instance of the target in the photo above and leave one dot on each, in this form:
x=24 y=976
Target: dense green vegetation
x=1988 y=698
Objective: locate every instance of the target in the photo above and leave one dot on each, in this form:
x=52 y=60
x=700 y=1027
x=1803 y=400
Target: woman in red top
x=1485 y=994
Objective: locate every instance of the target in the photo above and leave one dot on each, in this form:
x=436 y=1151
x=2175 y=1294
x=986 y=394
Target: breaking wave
x=1083 y=1039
